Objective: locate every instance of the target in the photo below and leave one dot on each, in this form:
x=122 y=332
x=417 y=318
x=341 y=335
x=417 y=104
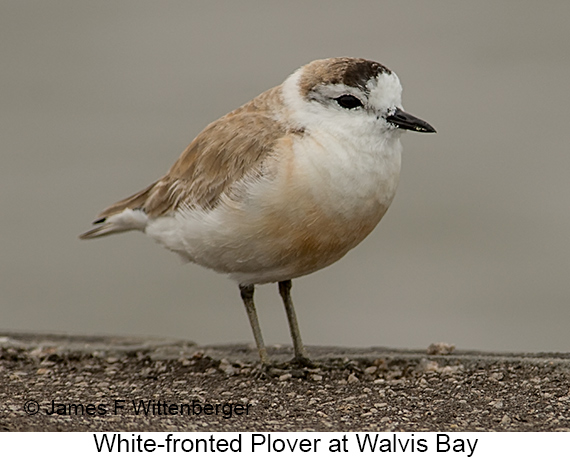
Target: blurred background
x=97 y=100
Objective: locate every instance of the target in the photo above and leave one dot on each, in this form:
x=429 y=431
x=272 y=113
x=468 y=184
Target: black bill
x=406 y=121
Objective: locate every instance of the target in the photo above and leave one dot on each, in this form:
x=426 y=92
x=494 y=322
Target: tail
x=128 y=214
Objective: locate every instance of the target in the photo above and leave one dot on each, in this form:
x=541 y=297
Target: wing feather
x=222 y=154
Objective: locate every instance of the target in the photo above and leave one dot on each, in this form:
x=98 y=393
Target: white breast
x=351 y=176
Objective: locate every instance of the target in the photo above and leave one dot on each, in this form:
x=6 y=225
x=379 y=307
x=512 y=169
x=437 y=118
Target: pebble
x=352 y=379
x=440 y=348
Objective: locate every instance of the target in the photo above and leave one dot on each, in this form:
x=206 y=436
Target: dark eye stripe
x=348 y=101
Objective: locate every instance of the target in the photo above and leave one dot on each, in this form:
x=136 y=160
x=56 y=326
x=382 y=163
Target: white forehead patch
x=385 y=91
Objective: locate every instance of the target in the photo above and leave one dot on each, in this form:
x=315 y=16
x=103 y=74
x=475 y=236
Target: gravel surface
x=75 y=383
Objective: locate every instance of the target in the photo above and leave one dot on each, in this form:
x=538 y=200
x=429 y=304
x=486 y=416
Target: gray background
x=97 y=99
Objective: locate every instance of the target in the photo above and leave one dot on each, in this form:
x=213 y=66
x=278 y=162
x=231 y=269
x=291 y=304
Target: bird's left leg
x=301 y=356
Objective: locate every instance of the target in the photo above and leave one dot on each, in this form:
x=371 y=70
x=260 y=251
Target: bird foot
x=302 y=362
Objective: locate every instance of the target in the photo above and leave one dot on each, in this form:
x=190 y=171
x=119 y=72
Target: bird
x=282 y=186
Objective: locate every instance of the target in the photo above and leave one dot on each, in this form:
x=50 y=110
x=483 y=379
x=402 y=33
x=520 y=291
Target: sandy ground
x=78 y=383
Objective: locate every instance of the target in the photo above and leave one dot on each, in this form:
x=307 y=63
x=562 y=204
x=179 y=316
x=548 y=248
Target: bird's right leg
x=246 y=291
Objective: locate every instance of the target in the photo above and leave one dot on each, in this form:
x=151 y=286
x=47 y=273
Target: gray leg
x=247 y=297
x=300 y=352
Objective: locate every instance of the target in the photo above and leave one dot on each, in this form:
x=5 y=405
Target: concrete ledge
x=96 y=383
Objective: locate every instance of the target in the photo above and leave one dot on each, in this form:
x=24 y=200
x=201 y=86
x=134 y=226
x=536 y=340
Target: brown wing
x=219 y=156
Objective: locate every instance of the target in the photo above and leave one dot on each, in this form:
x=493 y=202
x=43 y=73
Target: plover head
x=351 y=95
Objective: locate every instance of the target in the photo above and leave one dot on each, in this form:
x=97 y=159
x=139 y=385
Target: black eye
x=348 y=101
